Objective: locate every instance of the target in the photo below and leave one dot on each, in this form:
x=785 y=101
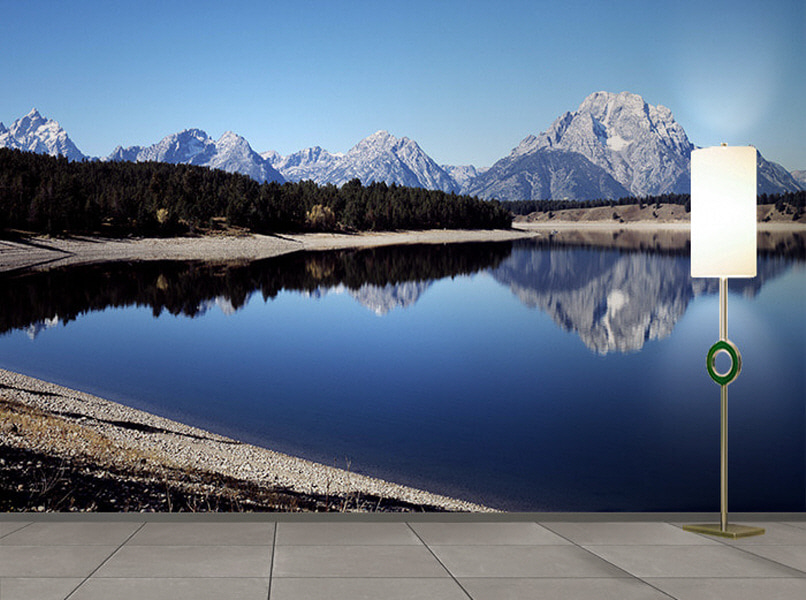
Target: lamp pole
x=723 y=411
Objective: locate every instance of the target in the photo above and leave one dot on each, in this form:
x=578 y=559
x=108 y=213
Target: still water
x=523 y=376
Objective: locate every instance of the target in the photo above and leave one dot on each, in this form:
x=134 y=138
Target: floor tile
x=352 y=589
x=523 y=561
x=775 y=534
x=689 y=561
x=618 y=534
x=32 y=588
x=735 y=589
x=204 y=534
x=345 y=534
x=173 y=589
x=7 y=527
x=52 y=561
x=791 y=556
x=487 y=534
x=72 y=534
x=355 y=561
x=188 y=561
x=571 y=588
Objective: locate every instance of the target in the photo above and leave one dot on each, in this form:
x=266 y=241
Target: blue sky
x=467 y=80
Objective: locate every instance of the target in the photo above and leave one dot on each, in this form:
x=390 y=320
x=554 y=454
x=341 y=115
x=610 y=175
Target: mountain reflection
x=614 y=300
x=379 y=278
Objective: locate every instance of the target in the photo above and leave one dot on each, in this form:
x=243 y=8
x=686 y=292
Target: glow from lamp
x=723 y=212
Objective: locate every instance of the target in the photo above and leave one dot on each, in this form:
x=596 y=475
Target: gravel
x=147 y=438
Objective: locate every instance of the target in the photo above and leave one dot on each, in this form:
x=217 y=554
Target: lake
x=522 y=375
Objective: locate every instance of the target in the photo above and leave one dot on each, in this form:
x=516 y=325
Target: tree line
x=52 y=195
x=793 y=203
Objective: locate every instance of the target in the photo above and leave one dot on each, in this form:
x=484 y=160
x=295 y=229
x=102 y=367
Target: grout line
x=627 y=573
x=106 y=560
x=271 y=561
x=24 y=526
x=456 y=581
x=748 y=551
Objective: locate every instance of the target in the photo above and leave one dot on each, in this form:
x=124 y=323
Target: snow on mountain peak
x=35 y=133
x=638 y=144
x=231 y=153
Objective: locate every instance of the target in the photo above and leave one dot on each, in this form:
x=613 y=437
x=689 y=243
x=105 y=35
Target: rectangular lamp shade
x=723 y=212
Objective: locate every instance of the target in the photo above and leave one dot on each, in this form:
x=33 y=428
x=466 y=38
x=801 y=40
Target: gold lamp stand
x=724 y=345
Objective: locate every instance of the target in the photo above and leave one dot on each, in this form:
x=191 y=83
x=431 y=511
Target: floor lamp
x=723 y=245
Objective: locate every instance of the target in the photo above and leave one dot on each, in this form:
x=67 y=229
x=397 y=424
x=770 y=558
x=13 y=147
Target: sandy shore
x=46 y=253
x=72 y=426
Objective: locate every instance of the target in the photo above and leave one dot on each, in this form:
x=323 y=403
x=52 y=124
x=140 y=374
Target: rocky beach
x=64 y=450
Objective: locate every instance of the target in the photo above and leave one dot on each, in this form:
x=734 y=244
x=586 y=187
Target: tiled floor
x=495 y=558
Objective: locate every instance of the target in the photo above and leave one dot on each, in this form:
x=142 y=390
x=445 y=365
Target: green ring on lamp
x=735 y=357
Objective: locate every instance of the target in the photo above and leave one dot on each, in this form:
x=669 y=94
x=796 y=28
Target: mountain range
x=612 y=146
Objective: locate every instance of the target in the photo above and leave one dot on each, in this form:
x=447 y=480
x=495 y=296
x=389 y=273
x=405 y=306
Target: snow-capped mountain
x=639 y=146
x=774 y=179
x=310 y=164
x=546 y=174
x=379 y=157
x=35 y=133
x=463 y=174
x=230 y=152
x=613 y=145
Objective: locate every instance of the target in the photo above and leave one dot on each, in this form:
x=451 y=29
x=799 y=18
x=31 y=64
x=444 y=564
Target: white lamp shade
x=723 y=212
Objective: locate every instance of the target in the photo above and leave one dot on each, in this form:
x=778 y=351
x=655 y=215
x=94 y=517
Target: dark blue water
x=524 y=377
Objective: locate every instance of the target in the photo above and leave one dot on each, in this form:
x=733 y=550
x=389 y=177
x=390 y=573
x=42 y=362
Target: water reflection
x=614 y=300
x=379 y=278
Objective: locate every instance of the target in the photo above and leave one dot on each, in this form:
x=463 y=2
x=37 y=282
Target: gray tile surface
x=345 y=534
x=791 y=556
x=620 y=534
x=52 y=561
x=71 y=534
x=689 y=561
x=356 y=561
x=7 y=527
x=204 y=534
x=35 y=588
x=564 y=588
x=499 y=557
x=358 y=588
x=188 y=561
x=523 y=561
x=173 y=589
x=486 y=534
x=735 y=589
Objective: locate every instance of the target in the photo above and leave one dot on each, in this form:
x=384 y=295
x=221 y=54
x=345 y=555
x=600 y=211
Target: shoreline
x=42 y=253
x=77 y=429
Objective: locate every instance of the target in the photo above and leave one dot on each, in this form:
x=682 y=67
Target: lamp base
x=731 y=531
